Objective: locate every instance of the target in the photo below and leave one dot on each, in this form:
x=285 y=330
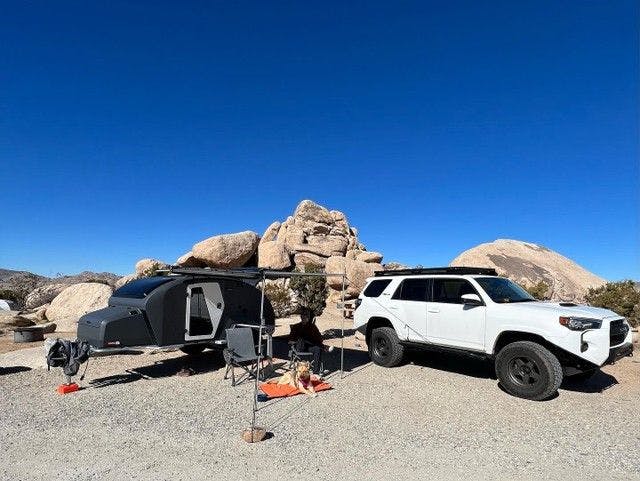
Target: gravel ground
x=437 y=416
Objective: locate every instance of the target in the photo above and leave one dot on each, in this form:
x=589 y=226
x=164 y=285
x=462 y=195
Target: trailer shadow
x=207 y=361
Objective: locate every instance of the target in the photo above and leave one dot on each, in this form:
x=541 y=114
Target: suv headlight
x=580 y=323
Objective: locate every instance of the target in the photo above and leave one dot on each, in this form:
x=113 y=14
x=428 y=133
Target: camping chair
x=240 y=352
x=297 y=353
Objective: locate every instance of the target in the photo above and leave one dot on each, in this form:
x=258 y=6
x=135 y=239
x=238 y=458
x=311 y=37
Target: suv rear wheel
x=385 y=348
x=528 y=370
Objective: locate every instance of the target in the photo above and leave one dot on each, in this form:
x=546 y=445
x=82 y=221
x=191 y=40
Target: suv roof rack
x=485 y=271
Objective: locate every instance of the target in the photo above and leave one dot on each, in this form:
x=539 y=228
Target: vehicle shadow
x=13 y=369
x=193 y=365
x=451 y=362
x=599 y=382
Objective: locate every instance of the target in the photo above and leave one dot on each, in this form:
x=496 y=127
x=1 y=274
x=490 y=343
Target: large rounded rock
x=312 y=213
x=43 y=295
x=371 y=257
x=149 y=267
x=273 y=255
x=529 y=264
x=271 y=233
x=292 y=236
x=328 y=244
x=10 y=319
x=227 y=250
x=189 y=260
x=125 y=280
x=335 y=265
x=75 y=301
x=357 y=273
x=305 y=258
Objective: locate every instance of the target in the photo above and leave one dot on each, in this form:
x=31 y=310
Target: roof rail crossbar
x=485 y=271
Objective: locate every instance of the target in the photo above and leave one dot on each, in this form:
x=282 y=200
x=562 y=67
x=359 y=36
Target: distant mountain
x=16 y=285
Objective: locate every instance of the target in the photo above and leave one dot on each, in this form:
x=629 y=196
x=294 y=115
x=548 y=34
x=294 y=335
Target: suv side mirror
x=471 y=300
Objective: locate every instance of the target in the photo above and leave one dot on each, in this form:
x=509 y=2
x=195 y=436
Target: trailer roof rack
x=243 y=273
x=485 y=271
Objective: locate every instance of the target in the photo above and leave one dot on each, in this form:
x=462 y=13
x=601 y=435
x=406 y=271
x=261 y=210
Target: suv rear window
x=412 y=290
x=375 y=288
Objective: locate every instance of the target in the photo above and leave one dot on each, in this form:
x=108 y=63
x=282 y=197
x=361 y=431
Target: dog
x=299 y=378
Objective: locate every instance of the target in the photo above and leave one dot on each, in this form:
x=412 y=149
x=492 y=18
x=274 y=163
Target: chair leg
x=233 y=376
x=226 y=372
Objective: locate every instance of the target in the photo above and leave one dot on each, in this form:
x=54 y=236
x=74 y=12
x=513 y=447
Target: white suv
x=533 y=344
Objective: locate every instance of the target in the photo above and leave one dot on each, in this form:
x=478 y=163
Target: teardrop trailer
x=187 y=308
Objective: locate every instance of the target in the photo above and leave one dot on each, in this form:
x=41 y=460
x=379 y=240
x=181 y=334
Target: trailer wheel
x=193 y=349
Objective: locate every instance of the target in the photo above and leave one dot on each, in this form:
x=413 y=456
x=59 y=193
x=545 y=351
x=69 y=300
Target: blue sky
x=134 y=129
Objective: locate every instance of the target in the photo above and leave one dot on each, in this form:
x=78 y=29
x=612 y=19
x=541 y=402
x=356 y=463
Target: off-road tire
x=528 y=370
x=385 y=348
x=193 y=349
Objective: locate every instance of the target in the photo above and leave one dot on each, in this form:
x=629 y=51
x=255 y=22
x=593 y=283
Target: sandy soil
x=436 y=416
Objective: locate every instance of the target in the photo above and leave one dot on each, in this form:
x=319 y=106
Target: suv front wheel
x=385 y=348
x=528 y=370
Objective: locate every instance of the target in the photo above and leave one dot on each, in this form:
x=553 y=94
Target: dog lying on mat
x=299 y=378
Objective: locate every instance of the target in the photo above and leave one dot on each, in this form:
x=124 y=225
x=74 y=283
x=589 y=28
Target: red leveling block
x=67 y=388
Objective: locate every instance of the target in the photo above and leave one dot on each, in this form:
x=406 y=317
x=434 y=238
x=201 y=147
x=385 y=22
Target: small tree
x=311 y=292
x=621 y=297
x=280 y=298
x=539 y=290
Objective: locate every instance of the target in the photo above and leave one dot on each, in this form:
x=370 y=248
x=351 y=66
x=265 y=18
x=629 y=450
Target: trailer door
x=204 y=311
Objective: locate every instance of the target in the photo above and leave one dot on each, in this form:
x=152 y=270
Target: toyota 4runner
x=533 y=344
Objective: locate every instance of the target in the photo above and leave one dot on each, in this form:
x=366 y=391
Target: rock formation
x=316 y=235
x=529 y=264
x=75 y=301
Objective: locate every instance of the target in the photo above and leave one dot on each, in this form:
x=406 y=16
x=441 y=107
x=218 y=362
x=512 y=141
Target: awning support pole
x=344 y=275
x=255 y=386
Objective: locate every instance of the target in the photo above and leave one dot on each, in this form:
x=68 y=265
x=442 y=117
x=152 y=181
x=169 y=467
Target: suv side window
x=375 y=288
x=412 y=290
x=450 y=291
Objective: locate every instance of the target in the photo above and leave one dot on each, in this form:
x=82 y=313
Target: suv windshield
x=503 y=290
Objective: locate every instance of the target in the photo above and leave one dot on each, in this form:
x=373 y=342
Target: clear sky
x=133 y=129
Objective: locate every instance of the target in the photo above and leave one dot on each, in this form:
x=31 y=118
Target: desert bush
x=621 y=297
x=539 y=291
x=311 y=292
x=280 y=298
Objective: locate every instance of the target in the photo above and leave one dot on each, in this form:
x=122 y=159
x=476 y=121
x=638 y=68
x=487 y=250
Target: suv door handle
x=393 y=307
x=433 y=309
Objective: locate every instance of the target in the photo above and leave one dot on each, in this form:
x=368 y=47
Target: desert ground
x=436 y=416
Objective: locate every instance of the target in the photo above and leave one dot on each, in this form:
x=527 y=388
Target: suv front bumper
x=617 y=353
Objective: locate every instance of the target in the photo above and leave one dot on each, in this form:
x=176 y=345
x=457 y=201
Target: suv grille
x=617 y=332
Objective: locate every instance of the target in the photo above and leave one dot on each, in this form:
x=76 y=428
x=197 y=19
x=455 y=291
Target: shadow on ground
x=450 y=362
x=207 y=361
x=13 y=369
x=599 y=382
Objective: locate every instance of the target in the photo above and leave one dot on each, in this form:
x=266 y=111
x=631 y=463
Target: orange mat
x=284 y=390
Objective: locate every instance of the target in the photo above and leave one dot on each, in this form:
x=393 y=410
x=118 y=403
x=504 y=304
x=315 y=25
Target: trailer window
x=139 y=289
